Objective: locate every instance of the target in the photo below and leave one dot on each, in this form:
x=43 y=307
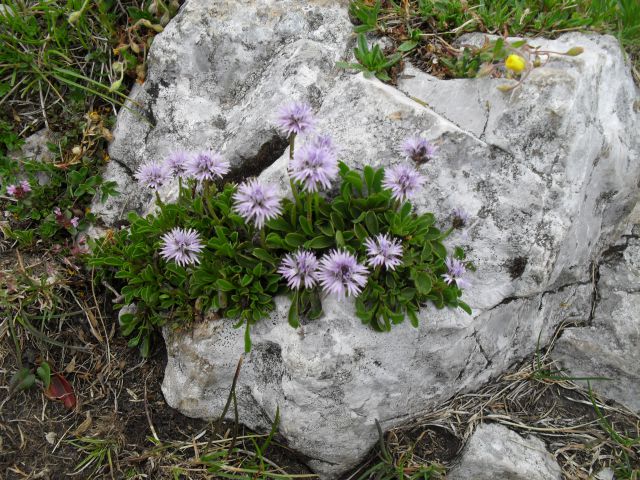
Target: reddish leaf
x=61 y=389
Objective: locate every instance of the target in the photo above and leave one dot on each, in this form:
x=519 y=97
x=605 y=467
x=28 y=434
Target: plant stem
x=158 y=200
x=207 y=201
x=309 y=208
x=294 y=190
x=263 y=238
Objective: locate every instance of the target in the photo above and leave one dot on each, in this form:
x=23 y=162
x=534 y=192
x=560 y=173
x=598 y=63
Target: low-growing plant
x=372 y=61
x=45 y=201
x=228 y=250
x=366 y=14
x=500 y=58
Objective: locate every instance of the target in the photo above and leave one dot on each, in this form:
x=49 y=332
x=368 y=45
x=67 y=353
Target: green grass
x=56 y=51
x=415 y=23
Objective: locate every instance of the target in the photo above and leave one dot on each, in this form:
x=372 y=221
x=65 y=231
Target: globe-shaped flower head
x=315 y=165
x=257 y=203
x=177 y=162
x=456 y=272
x=403 y=181
x=300 y=269
x=207 y=165
x=384 y=251
x=182 y=246
x=152 y=174
x=418 y=149
x=341 y=274
x=295 y=118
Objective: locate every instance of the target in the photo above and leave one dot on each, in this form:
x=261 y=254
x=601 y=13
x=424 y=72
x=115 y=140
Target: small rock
x=495 y=452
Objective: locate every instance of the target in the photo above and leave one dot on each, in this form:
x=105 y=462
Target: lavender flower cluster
x=314 y=166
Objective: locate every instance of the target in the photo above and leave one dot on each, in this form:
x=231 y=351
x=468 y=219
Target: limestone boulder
x=548 y=174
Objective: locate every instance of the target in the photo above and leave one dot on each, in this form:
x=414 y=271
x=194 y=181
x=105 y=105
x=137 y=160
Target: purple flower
x=182 y=246
x=19 y=191
x=456 y=271
x=74 y=221
x=295 y=118
x=341 y=274
x=257 y=203
x=300 y=268
x=325 y=142
x=314 y=164
x=152 y=174
x=177 y=161
x=384 y=251
x=460 y=218
x=57 y=212
x=403 y=181
x=418 y=149
x=207 y=165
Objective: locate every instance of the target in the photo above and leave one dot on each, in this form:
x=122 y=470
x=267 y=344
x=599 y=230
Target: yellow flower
x=515 y=63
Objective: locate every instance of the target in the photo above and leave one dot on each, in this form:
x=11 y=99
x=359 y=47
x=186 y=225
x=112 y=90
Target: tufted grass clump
x=227 y=251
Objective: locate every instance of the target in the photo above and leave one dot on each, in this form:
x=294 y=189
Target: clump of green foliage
x=237 y=275
x=426 y=29
x=55 y=207
x=372 y=61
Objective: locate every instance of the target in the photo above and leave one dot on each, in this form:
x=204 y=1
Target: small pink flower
x=74 y=222
x=25 y=186
x=11 y=190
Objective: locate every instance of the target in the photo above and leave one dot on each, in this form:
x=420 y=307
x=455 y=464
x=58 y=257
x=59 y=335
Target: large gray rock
x=610 y=346
x=495 y=452
x=548 y=178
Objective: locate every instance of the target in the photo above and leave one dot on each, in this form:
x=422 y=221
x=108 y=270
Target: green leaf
x=23 y=379
x=360 y=232
x=337 y=221
x=294 y=239
x=369 y=174
x=246 y=280
x=465 y=307
x=44 y=374
x=263 y=255
x=422 y=281
x=274 y=240
x=225 y=285
x=413 y=318
x=408 y=45
x=305 y=225
x=110 y=261
x=320 y=243
x=339 y=239
x=405 y=210
x=371 y=220
x=327 y=229
x=247 y=338
x=145 y=346
x=293 y=316
x=280 y=224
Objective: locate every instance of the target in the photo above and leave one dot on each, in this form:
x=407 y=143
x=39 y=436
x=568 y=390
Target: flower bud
x=74 y=17
x=115 y=85
x=574 y=51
